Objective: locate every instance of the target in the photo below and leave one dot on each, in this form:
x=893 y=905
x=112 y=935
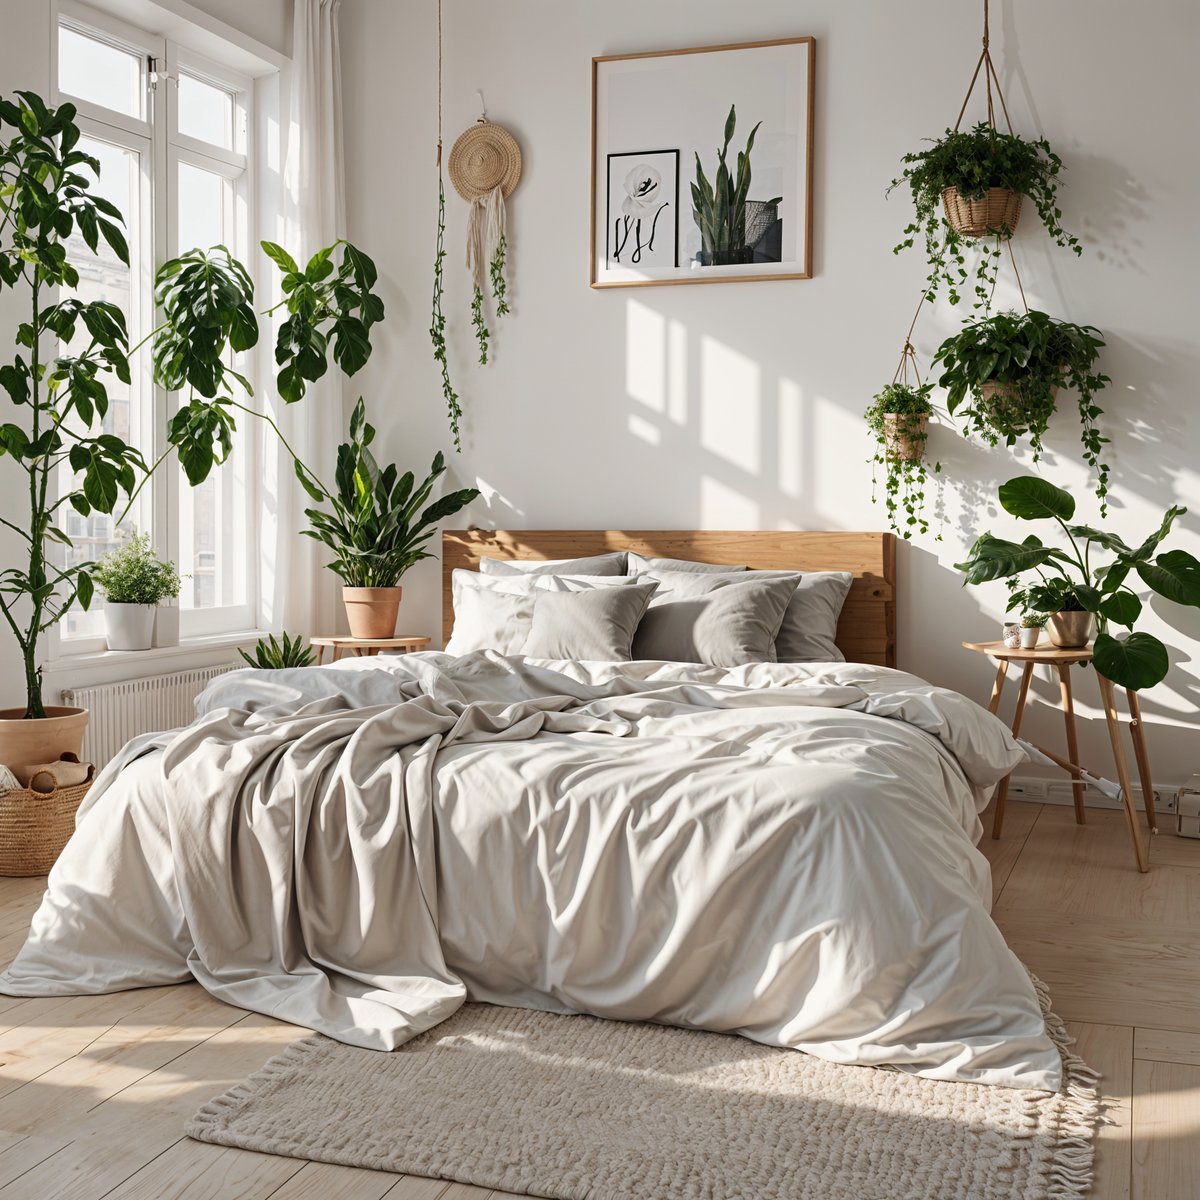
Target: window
x=171 y=132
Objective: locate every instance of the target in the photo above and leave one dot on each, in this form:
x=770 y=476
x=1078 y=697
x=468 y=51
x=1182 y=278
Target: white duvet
x=784 y=851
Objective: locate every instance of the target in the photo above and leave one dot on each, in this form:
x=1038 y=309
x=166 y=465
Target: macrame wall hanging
x=1001 y=371
x=485 y=165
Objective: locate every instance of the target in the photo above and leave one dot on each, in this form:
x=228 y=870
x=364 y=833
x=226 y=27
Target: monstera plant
x=1072 y=573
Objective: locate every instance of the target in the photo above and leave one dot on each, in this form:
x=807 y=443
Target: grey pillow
x=810 y=623
x=722 y=620
x=596 y=564
x=596 y=625
x=640 y=565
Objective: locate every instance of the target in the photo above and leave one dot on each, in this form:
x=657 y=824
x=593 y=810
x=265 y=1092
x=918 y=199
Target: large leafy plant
x=1002 y=373
x=719 y=208
x=972 y=162
x=379 y=521
x=45 y=197
x=897 y=419
x=1138 y=660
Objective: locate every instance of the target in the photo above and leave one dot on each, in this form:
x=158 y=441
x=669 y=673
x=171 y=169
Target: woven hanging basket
x=1007 y=407
x=904 y=436
x=484 y=157
x=996 y=213
x=35 y=826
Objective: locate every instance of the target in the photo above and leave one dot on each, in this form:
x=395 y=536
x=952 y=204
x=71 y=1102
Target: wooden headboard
x=867 y=629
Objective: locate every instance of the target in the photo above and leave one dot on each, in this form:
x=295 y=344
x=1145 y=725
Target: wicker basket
x=904 y=435
x=35 y=826
x=997 y=212
x=1008 y=408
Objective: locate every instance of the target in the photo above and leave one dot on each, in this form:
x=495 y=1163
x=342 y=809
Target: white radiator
x=120 y=711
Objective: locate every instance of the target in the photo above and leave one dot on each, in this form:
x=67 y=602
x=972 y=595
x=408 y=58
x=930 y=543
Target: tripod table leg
x=1114 y=735
x=1068 y=707
x=1022 y=701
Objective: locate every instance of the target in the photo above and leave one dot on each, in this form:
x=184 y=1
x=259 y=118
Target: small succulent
x=1032 y=620
x=272 y=655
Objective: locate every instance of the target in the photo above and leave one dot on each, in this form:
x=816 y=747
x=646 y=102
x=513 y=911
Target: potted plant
x=1032 y=625
x=970 y=185
x=135 y=581
x=899 y=418
x=1072 y=573
x=1004 y=372
x=273 y=655
x=719 y=208
x=377 y=528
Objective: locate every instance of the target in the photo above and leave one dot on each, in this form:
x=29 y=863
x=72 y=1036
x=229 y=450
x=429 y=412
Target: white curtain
x=306 y=197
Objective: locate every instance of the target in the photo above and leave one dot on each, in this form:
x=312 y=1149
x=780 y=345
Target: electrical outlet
x=1028 y=789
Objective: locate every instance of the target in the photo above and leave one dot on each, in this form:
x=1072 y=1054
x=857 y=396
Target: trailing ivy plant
x=900 y=454
x=1002 y=372
x=973 y=161
x=481 y=329
x=499 y=283
x=1136 y=661
x=437 y=327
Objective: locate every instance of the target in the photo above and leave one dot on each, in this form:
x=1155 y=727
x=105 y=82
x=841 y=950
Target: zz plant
x=1073 y=572
x=897 y=418
x=973 y=161
x=1002 y=373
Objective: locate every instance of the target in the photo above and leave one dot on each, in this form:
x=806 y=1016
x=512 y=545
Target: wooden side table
x=1062 y=660
x=367 y=646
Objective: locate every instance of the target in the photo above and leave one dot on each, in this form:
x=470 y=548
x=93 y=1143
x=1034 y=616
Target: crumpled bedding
x=784 y=851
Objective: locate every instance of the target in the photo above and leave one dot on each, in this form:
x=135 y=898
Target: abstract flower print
x=643 y=195
x=644 y=187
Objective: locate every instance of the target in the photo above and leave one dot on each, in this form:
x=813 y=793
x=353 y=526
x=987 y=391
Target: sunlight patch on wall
x=790 y=437
x=730 y=405
x=677 y=405
x=846 y=473
x=645 y=355
x=723 y=507
x=647 y=431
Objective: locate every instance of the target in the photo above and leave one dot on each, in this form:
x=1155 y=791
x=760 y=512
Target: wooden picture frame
x=679 y=100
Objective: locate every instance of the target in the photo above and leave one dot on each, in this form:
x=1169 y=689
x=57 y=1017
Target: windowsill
x=66 y=661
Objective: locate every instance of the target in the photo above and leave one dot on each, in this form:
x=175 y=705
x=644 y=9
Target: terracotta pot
x=904 y=436
x=1071 y=630
x=25 y=743
x=997 y=212
x=129 y=626
x=372 y=612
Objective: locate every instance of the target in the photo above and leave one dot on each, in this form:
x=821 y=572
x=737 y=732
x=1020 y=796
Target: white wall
x=739 y=406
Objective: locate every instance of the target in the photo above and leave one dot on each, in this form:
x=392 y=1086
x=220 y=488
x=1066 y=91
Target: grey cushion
x=597 y=564
x=810 y=623
x=720 y=619
x=639 y=565
x=496 y=613
x=596 y=625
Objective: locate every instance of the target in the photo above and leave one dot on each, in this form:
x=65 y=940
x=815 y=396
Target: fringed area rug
x=575 y=1108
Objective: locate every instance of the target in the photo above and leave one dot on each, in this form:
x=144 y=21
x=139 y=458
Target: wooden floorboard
x=94 y=1091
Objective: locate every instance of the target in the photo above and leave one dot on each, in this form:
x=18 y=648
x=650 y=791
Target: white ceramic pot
x=129 y=626
x=166 y=626
x=1030 y=636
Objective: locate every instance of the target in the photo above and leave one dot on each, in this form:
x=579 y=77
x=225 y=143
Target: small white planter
x=1012 y=636
x=129 y=626
x=166 y=626
x=1030 y=636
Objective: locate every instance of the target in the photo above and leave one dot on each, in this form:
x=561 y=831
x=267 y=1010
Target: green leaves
x=719 y=208
x=1175 y=575
x=995 y=558
x=202 y=434
x=272 y=655
x=328 y=303
x=1137 y=661
x=1032 y=498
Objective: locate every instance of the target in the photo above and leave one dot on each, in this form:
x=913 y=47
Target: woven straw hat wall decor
x=485 y=165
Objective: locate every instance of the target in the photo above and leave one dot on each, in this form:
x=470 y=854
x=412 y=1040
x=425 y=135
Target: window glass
x=205 y=111
x=101 y=73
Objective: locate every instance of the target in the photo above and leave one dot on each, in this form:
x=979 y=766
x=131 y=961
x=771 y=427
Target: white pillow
x=596 y=564
x=639 y=563
x=496 y=612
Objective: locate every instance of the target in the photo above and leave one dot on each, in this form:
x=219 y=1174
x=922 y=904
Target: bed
x=784 y=850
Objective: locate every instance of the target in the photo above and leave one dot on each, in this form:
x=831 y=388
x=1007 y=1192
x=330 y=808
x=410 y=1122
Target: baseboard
x=1059 y=791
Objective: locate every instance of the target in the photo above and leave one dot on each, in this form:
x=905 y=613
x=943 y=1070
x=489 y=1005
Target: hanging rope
x=990 y=78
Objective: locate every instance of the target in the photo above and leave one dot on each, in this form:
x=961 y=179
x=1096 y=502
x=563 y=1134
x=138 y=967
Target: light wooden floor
x=94 y=1090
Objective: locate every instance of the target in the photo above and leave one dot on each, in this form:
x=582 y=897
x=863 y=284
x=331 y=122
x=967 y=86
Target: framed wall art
x=702 y=164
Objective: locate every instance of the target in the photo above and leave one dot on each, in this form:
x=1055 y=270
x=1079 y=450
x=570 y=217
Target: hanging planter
x=905 y=435
x=1003 y=374
x=996 y=212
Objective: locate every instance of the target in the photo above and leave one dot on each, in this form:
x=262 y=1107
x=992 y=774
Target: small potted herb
x=970 y=185
x=1032 y=625
x=1004 y=372
x=135 y=580
x=899 y=418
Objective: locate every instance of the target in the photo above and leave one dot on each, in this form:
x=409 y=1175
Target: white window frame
x=162 y=148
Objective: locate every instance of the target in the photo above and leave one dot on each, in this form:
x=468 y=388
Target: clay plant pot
x=1071 y=630
x=1006 y=406
x=46 y=739
x=904 y=436
x=997 y=212
x=372 y=612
